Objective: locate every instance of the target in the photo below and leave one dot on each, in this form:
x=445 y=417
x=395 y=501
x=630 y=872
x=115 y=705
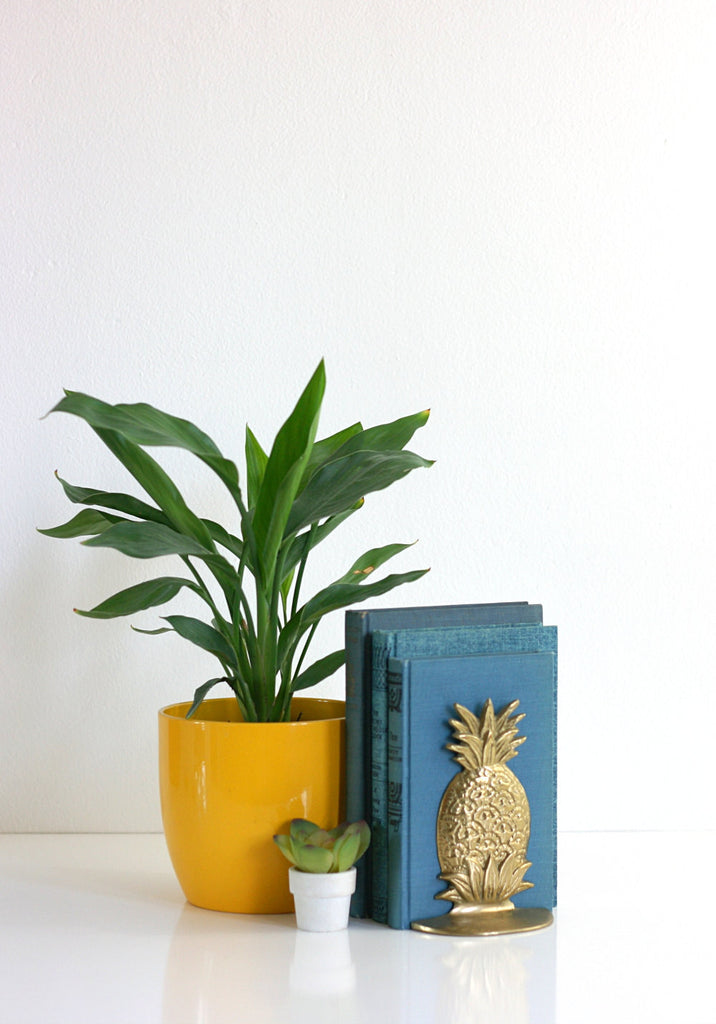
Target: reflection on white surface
x=322 y=980
x=94 y=930
x=492 y=977
x=507 y=979
x=322 y=964
x=223 y=967
x=226 y=967
x=486 y=982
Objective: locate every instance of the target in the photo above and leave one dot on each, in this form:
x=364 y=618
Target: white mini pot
x=322 y=901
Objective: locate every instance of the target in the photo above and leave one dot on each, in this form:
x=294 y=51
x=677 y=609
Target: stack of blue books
x=406 y=668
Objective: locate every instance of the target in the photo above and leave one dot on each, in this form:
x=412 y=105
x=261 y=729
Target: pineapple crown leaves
x=489 y=739
x=490 y=884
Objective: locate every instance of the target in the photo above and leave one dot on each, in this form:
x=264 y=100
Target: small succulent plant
x=322 y=851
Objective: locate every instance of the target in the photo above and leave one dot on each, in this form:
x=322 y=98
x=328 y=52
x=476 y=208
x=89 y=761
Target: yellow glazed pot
x=228 y=786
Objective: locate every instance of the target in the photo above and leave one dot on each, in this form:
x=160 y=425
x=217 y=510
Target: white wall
x=501 y=211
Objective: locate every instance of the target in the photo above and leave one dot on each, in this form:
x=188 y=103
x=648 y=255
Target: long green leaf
x=145 y=425
x=256 y=459
x=338 y=595
x=204 y=636
x=157 y=483
x=138 y=422
x=138 y=598
x=146 y=540
x=119 y=502
x=341 y=595
x=386 y=436
x=300 y=546
x=370 y=561
x=150 y=426
x=87 y=522
x=201 y=692
x=324 y=450
x=284 y=469
x=320 y=670
x=341 y=483
x=220 y=535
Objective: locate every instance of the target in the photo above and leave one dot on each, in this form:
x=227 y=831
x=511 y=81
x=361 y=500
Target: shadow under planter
x=227 y=786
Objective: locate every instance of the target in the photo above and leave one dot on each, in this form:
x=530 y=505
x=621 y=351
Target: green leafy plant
x=249 y=577
x=322 y=851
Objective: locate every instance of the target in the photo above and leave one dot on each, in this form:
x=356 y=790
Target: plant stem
x=302 y=656
x=261 y=666
x=205 y=593
x=285 y=694
x=301 y=567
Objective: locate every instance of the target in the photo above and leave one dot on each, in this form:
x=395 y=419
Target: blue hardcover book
x=422 y=695
x=421 y=643
x=359 y=624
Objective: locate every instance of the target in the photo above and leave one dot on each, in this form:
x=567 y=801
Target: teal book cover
x=420 y=643
x=422 y=695
x=359 y=626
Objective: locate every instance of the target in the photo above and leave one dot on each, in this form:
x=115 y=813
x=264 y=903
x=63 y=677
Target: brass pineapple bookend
x=483 y=829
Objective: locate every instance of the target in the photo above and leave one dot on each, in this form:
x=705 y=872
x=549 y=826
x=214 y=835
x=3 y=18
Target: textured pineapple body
x=482 y=814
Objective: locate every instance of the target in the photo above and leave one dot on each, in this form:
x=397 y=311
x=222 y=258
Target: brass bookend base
x=498 y=922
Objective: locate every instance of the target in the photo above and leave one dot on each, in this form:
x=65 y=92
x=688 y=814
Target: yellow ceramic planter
x=228 y=786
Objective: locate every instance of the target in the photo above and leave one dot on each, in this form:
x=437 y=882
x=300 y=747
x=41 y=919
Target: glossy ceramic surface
x=228 y=786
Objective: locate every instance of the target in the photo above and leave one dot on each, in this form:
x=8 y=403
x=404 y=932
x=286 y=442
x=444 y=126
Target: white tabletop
x=95 y=929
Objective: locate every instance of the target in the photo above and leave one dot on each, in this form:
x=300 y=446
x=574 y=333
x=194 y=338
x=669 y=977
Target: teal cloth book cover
x=359 y=625
x=422 y=695
x=420 y=643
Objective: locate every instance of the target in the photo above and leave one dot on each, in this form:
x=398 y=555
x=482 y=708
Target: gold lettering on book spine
x=483 y=828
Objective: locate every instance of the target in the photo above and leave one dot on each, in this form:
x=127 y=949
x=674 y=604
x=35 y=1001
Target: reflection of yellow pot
x=228 y=786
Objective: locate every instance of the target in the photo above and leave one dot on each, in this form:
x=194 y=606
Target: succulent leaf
x=286 y=847
x=320 y=851
x=322 y=838
x=345 y=851
x=302 y=830
x=363 y=832
x=315 y=859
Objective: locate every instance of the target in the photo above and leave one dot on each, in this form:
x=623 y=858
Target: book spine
x=357 y=746
x=381 y=651
x=555 y=684
x=398 y=822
